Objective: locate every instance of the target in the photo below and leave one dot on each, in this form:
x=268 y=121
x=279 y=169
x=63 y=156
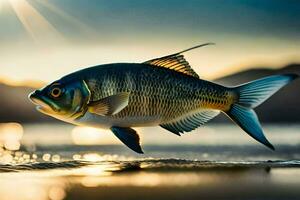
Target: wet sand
x=153 y=179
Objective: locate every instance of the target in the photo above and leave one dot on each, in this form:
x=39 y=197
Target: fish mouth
x=41 y=103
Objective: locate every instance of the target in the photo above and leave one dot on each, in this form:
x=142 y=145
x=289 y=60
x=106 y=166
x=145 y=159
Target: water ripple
x=150 y=165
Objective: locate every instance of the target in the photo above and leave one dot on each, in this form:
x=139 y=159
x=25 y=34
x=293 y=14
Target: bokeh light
x=11 y=135
x=92 y=136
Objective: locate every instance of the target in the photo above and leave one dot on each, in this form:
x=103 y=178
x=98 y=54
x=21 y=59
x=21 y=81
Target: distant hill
x=282 y=107
x=15 y=106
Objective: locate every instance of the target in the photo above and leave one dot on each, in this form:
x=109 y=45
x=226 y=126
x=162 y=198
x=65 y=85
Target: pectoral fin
x=129 y=137
x=109 y=105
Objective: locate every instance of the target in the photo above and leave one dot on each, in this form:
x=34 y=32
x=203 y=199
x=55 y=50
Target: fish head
x=64 y=100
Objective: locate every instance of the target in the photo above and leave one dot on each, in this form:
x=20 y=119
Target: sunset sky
x=46 y=39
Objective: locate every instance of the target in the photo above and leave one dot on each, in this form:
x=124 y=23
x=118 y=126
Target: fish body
x=163 y=91
x=157 y=95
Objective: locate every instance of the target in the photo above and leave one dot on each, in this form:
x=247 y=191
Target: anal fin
x=189 y=122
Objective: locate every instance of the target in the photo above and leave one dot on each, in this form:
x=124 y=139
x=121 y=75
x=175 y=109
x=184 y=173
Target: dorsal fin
x=176 y=62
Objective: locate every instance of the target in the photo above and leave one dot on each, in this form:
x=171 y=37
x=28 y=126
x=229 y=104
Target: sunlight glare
x=4 y=4
x=39 y=28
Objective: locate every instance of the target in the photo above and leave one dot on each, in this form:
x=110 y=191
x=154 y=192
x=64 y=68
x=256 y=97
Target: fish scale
x=156 y=91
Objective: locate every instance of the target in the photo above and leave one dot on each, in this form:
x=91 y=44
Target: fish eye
x=56 y=92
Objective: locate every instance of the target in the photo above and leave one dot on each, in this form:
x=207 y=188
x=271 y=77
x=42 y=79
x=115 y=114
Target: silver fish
x=164 y=91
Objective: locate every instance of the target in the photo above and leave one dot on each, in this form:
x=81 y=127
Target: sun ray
x=2 y=5
x=35 y=24
x=67 y=17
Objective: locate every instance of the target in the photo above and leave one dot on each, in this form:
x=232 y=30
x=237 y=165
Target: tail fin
x=252 y=94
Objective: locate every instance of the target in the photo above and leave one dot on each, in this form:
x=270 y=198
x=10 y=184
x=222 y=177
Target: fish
x=163 y=92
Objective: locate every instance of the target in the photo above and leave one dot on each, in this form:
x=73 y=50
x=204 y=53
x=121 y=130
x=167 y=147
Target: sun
x=3 y=2
x=37 y=25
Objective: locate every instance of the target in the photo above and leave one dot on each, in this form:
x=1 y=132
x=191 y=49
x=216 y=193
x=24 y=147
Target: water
x=218 y=161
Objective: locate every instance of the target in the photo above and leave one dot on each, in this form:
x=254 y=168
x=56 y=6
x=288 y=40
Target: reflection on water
x=50 y=180
x=28 y=187
x=61 y=162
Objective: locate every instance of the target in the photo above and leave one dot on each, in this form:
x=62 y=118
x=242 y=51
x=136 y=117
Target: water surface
x=216 y=161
